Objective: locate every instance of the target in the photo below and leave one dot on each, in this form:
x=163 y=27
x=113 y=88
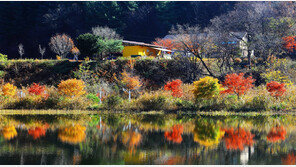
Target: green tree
x=88 y=44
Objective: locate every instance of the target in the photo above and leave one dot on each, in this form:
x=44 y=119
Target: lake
x=147 y=139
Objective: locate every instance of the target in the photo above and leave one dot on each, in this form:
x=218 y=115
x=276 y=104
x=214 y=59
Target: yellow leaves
x=72 y=87
x=73 y=134
x=9 y=132
x=208 y=142
x=206 y=87
x=277 y=76
x=9 y=90
x=129 y=81
x=75 y=51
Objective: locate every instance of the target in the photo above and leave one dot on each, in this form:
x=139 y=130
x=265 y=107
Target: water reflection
x=147 y=139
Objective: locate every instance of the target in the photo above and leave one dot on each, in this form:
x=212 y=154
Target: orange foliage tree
x=237 y=139
x=168 y=43
x=276 y=134
x=175 y=134
x=129 y=81
x=9 y=90
x=72 y=87
x=290 y=43
x=289 y=160
x=275 y=89
x=237 y=84
x=175 y=87
x=61 y=44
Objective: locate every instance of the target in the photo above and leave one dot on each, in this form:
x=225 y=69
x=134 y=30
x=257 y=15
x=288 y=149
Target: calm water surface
x=147 y=139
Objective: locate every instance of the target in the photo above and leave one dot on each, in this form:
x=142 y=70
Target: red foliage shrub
x=289 y=160
x=276 y=134
x=36 y=89
x=175 y=135
x=175 y=87
x=290 y=43
x=275 y=89
x=237 y=139
x=237 y=84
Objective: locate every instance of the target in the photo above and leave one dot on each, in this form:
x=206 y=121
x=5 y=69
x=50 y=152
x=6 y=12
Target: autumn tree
x=194 y=45
x=175 y=87
x=75 y=51
x=276 y=89
x=167 y=43
x=290 y=44
x=61 y=44
x=131 y=83
x=206 y=87
x=237 y=84
x=263 y=24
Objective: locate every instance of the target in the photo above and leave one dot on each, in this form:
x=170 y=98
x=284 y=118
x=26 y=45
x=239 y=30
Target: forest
x=33 y=23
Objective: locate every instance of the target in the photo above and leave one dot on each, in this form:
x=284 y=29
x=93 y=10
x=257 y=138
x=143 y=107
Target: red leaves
x=37 y=89
x=175 y=87
x=237 y=83
x=290 y=43
x=175 y=135
x=276 y=134
x=168 y=43
x=275 y=89
x=237 y=139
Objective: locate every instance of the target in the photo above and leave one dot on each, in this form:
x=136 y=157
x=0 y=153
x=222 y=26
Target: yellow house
x=135 y=49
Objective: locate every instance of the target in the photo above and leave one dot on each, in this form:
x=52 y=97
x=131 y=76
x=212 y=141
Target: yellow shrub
x=9 y=90
x=72 y=87
x=277 y=76
x=206 y=87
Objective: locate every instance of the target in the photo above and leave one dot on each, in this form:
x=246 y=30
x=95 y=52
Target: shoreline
x=82 y=112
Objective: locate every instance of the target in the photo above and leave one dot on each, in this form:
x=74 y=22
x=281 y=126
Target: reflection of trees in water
x=37 y=132
x=131 y=139
x=276 y=134
x=207 y=133
x=174 y=134
x=111 y=140
x=290 y=159
x=238 y=139
x=72 y=134
x=9 y=132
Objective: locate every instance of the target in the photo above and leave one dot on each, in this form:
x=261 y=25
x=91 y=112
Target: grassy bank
x=139 y=85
